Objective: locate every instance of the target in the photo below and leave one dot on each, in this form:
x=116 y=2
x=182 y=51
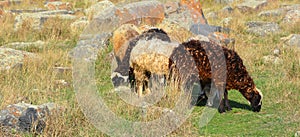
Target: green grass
x=34 y=83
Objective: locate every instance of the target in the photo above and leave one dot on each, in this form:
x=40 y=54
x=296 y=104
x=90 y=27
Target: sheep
x=123 y=74
x=160 y=62
x=237 y=76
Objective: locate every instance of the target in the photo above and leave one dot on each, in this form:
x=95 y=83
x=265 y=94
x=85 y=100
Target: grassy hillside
x=35 y=82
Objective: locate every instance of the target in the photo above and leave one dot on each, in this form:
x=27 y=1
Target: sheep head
x=256 y=99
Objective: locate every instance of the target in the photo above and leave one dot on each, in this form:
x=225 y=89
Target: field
x=35 y=82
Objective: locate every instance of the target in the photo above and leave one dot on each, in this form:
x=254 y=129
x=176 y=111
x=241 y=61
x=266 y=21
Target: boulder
x=261 y=28
x=292 y=40
x=24 y=45
x=11 y=58
x=271 y=13
x=292 y=16
x=25 y=117
x=98 y=8
x=171 y=7
x=36 y=20
x=251 y=5
x=58 y=5
x=224 y=1
x=80 y=24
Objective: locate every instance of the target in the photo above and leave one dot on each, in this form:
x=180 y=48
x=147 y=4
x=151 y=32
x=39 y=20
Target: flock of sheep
x=139 y=55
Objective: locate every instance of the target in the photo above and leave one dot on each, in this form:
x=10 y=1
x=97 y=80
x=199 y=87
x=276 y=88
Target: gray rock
x=272 y=59
x=276 y=52
x=97 y=8
x=252 y=5
x=23 y=45
x=292 y=16
x=211 y=15
x=79 y=24
x=171 y=7
x=260 y=28
x=275 y=12
x=289 y=7
x=227 y=9
x=39 y=18
x=26 y=117
x=226 y=22
x=11 y=58
x=292 y=40
x=224 y=1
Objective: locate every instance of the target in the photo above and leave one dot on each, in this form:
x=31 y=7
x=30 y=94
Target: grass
x=35 y=82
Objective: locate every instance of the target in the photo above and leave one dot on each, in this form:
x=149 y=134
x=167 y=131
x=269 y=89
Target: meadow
x=35 y=82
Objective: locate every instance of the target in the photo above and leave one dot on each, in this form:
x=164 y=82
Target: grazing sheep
x=123 y=74
x=237 y=76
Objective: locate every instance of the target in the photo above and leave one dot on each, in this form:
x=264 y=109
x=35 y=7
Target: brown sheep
x=237 y=76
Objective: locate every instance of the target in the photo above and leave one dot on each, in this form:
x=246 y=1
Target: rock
x=292 y=40
x=212 y=15
x=224 y=1
x=175 y=31
x=121 y=37
x=292 y=16
x=11 y=58
x=270 y=13
x=33 y=10
x=61 y=83
x=252 y=5
x=62 y=69
x=227 y=9
x=79 y=24
x=7 y=3
x=226 y=22
x=58 y=5
x=36 y=20
x=171 y=7
x=288 y=7
x=260 y=28
x=195 y=10
x=24 y=117
x=97 y=8
x=276 y=52
x=150 y=12
x=272 y=59
x=214 y=33
x=23 y=45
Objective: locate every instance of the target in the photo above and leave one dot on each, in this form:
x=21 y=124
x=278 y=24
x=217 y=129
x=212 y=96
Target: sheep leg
x=227 y=105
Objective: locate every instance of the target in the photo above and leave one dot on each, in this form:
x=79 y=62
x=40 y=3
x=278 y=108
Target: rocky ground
x=85 y=23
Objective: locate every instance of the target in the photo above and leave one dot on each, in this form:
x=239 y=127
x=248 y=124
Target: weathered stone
x=227 y=9
x=261 y=28
x=175 y=31
x=226 y=22
x=212 y=15
x=272 y=59
x=252 y=5
x=79 y=24
x=58 y=5
x=292 y=16
x=144 y=12
x=36 y=20
x=276 y=52
x=11 y=58
x=171 y=7
x=98 y=8
x=275 y=12
x=33 y=10
x=292 y=40
x=214 y=33
x=26 y=117
x=195 y=9
x=23 y=45
x=224 y=1
x=7 y=3
x=289 y=7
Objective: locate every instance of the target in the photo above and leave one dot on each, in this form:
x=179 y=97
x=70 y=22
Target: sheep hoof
x=228 y=108
x=221 y=109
